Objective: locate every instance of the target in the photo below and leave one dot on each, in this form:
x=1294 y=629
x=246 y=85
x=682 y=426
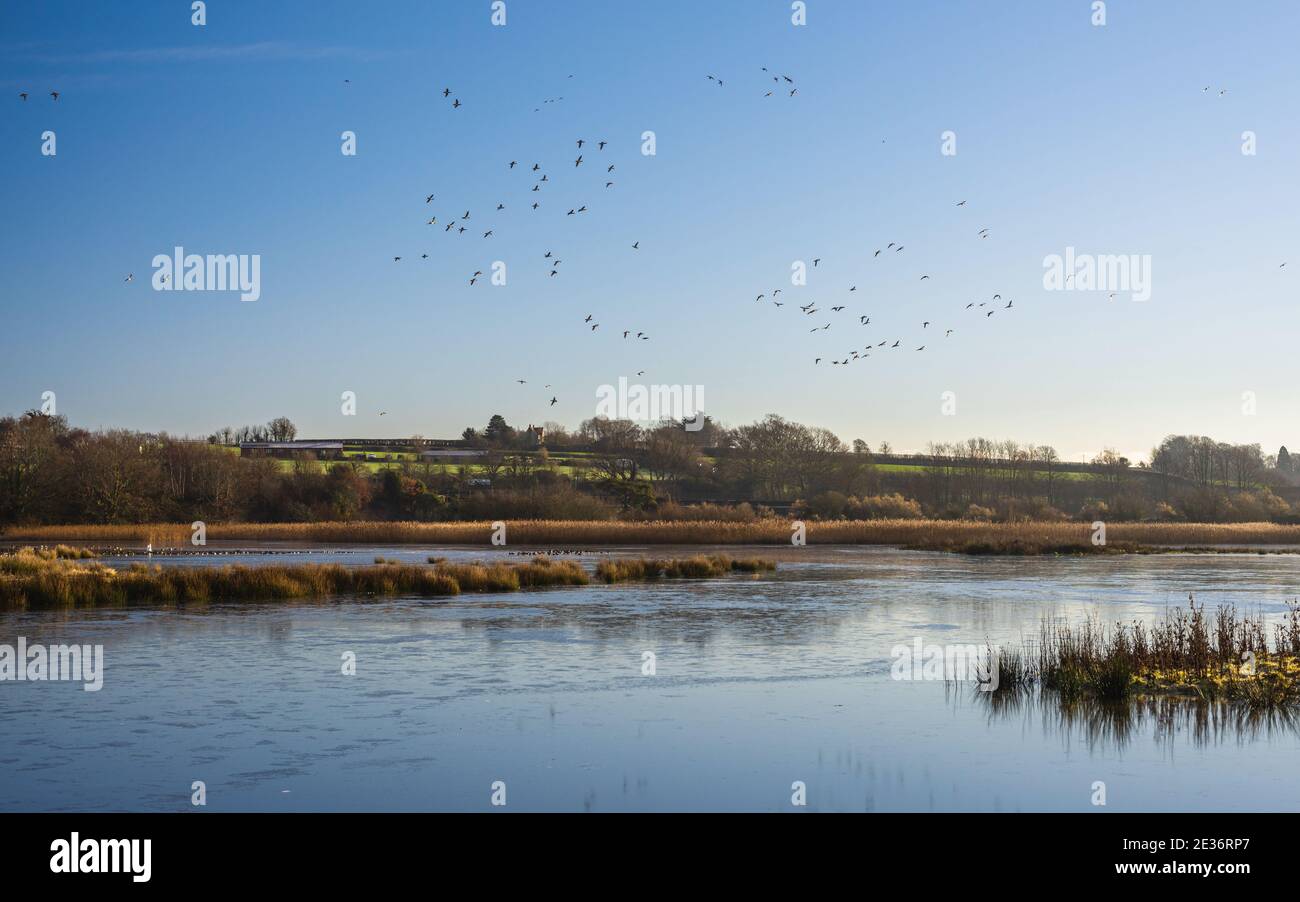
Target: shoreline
x=955 y=536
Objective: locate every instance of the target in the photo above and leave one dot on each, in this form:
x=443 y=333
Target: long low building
x=382 y=449
x=327 y=449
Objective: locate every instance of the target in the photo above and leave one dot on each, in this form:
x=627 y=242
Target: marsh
x=757 y=681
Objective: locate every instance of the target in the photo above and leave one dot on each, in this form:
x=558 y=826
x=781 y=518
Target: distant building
x=535 y=436
x=450 y=454
x=322 y=450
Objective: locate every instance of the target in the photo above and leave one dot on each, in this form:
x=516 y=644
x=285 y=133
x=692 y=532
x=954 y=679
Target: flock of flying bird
x=589 y=156
x=587 y=153
x=542 y=180
x=864 y=320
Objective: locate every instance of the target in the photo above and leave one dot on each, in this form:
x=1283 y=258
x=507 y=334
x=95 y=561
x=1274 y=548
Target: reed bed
x=1224 y=656
x=698 y=567
x=954 y=535
x=32 y=581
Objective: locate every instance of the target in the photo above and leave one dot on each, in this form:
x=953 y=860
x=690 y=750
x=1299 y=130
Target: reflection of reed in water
x=1105 y=724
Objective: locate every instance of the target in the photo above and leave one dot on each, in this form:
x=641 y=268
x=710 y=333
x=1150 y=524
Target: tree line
x=52 y=472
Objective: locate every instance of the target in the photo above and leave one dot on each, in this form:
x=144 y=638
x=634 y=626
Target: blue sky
x=226 y=139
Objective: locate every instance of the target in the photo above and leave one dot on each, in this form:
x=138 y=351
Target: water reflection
x=1114 y=726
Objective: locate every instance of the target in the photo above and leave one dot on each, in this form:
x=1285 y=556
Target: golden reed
x=574 y=533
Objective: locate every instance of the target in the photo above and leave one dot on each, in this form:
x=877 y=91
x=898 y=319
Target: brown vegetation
x=1227 y=656
x=698 y=567
x=33 y=580
x=928 y=534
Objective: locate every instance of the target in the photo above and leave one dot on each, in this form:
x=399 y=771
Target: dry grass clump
x=698 y=567
x=542 y=571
